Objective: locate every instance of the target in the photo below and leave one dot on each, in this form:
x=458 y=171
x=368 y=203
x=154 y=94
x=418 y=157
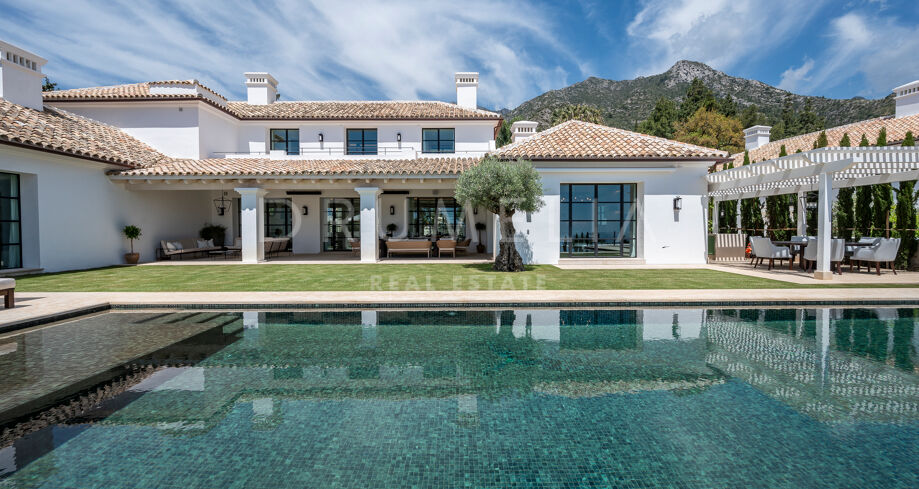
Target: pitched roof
x=130 y=91
x=60 y=131
x=896 y=131
x=446 y=166
x=577 y=140
x=303 y=110
x=354 y=110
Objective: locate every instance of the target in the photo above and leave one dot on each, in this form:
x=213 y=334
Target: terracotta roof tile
x=289 y=167
x=303 y=110
x=63 y=132
x=354 y=110
x=896 y=131
x=583 y=140
x=125 y=92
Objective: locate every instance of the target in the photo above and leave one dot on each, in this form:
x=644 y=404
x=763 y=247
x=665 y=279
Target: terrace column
x=370 y=246
x=824 y=231
x=251 y=224
x=802 y=215
x=715 y=217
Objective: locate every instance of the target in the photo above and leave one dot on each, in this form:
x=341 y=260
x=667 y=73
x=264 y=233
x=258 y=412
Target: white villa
x=323 y=177
x=171 y=156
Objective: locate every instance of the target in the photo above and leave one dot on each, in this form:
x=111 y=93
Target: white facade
x=72 y=215
x=663 y=235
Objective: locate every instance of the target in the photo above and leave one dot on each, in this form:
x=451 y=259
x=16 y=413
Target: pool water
x=470 y=398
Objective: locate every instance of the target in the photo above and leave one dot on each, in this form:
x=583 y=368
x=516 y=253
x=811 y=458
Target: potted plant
x=131 y=233
x=391 y=229
x=479 y=227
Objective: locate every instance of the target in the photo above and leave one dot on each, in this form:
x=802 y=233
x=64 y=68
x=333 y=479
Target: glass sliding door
x=342 y=222
x=278 y=218
x=438 y=217
x=597 y=220
x=10 y=222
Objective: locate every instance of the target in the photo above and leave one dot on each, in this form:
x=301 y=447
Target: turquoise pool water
x=472 y=398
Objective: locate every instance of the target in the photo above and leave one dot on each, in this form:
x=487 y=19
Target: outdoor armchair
x=883 y=251
x=765 y=250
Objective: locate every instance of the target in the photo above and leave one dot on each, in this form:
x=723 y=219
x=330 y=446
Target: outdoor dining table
x=802 y=244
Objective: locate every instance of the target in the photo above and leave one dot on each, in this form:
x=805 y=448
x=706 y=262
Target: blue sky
x=345 y=50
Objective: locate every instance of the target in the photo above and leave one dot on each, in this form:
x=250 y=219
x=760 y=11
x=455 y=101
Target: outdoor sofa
x=184 y=247
x=408 y=246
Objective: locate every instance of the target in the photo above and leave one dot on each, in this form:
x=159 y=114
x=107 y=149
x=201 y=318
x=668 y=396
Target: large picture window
x=362 y=141
x=438 y=141
x=436 y=217
x=597 y=220
x=278 y=218
x=10 y=222
x=287 y=140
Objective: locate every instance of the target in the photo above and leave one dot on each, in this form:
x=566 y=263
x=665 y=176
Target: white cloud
x=317 y=50
x=880 y=50
x=720 y=33
x=794 y=78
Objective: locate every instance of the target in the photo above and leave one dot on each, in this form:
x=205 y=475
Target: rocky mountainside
x=625 y=103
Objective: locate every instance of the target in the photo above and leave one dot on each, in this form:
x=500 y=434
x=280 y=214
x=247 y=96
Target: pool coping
x=74 y=305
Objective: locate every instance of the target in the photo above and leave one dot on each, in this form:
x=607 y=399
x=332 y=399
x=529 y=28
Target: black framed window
x=278 y=218
x=286 y=140
x=362 y=141
x=598 y=220
x=10 y=222
x=438 y=141
x=436 y=217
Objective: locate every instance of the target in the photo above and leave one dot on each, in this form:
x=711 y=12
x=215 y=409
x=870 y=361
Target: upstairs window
x=438 y=141
x=362 y=141
x=287 y=140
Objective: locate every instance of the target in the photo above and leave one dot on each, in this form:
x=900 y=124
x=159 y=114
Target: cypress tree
x=783 y=151
x=863 y=195
x=882 y=195
x=777 y=210
x=845 y=204
x=821 y=141
x=906 y=215
x=751 y=217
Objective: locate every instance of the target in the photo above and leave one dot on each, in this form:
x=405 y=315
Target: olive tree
x=502 y=188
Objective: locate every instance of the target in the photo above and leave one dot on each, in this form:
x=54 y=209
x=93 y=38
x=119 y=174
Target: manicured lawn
x=192 y=278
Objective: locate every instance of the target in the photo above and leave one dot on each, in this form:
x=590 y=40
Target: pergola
x=820 y=170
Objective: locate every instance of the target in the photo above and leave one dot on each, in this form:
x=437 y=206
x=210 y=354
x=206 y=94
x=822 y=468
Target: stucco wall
x=664 y=236
x=73 y=214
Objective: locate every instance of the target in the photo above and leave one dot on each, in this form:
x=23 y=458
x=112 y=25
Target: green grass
x=446 y=276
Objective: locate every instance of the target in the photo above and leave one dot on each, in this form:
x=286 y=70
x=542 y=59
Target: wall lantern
x=320 y=137
x=222 y=204
x=475 y=210
x=677 y=203
x=392 y=210
x=306 y=211
x=399 y=137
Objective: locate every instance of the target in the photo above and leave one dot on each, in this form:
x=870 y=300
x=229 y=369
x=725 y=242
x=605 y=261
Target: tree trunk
x=508 y=259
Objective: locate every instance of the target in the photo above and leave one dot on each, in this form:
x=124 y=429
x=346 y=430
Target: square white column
x=802 y=215
x=715 y=216
x=251 y=224
x=824 y=210
x=370 y=246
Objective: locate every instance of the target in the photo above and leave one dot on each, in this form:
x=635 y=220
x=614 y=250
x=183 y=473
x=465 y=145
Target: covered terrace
x=822 y=170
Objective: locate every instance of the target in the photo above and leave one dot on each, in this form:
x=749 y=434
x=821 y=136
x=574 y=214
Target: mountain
x=626 y=102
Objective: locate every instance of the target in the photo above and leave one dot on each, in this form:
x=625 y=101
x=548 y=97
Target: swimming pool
x=465 y=398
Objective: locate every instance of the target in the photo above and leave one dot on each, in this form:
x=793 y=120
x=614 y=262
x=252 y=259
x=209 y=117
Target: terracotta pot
x=131 y=258
x=480 y=248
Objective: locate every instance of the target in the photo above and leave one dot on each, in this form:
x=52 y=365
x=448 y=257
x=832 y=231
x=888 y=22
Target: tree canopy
x=711 y=129
x=586 y=113
x=660 y=122
x=502 y=188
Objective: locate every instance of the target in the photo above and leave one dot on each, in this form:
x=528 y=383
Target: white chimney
x=907 y=97
x=522 y=129
x=467 y=86
x=756 y=136
x=21 y=76
x=261 y=88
